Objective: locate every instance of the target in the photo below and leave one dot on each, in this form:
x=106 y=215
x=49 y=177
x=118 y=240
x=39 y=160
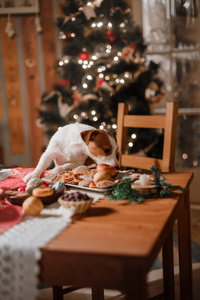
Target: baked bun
x=109 y=169
x=104 y=184
x=43 y=192
x=101 y=175
x=32 y=206
x=81 y=169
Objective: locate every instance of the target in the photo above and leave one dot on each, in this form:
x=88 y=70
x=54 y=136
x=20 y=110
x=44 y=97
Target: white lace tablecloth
x=20 y=250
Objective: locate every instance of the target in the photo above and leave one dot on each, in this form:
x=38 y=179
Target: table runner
x=20 y=245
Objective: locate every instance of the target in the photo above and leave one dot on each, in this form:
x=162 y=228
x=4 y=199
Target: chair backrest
x=168 y=122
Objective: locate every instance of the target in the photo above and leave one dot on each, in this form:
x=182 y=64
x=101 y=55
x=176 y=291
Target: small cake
x=80 y=201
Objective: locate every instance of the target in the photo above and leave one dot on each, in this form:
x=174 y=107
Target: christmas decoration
x=103 y=63
x=124 y=190
x=10 y=30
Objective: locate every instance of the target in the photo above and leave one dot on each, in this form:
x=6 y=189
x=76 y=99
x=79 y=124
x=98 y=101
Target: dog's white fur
x=68 y=150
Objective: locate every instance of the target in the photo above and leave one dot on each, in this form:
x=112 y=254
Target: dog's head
x=102 y=147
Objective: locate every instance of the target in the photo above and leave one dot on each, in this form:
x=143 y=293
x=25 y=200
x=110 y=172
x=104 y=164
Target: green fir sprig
x=123 y=191
x=164 y=188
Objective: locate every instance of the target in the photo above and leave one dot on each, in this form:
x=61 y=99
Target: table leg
x=168 y=268
x=136 y=285
x=185 y=250
x=97 y=294
x=57 y=293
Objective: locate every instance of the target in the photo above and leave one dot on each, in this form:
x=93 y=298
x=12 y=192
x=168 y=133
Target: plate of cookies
x=101 y=179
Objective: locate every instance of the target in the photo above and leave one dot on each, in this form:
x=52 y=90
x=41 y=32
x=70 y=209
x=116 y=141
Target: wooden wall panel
x=1 y=105
x=13 y=93
x=32 y=84
x=48 y=43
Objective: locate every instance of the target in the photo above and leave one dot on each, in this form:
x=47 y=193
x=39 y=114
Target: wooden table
x=114 y=244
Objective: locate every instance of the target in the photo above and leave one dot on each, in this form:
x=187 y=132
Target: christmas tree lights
x=103 y=63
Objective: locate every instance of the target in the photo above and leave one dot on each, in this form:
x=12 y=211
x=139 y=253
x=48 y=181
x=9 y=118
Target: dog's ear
x=89 y=135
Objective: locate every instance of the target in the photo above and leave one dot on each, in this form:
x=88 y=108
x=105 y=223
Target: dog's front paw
x=31 y=175
x=57 y=170
x=27 y=177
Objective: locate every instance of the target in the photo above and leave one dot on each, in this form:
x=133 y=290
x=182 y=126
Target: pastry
x=84 y=183
x=109 y=169
x=80 y=201
x=79 y=177
x=101 y=175
x=43 y=192
x=32 y=206
x=92 y=185
x=16 y=197
x=104 y=184
x=68 y=175
x=81 y=169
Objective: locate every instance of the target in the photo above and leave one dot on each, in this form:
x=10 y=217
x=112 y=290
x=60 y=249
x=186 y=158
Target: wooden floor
x=154 y=278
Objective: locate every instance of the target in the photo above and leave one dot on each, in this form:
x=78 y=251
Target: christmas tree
x=103 y=63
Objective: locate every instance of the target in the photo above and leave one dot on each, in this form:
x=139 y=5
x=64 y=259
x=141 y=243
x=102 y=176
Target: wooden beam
x=13 y=92
x=48 y=43
x=32 y=80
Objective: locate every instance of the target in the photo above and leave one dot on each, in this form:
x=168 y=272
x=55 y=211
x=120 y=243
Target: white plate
x=49 y=178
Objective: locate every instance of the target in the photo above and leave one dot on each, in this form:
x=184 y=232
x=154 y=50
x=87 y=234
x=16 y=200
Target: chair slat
x=167 y=122
x=141 y=162
x=144 y=121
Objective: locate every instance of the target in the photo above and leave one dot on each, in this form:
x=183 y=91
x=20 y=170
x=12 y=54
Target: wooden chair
x=168 y=122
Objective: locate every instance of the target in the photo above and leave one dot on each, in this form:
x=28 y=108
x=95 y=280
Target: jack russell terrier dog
x=71 y=145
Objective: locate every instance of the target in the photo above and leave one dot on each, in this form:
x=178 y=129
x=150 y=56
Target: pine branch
x=123 y=191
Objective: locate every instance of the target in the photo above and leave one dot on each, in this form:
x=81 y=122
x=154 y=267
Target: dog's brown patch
x=98 y=142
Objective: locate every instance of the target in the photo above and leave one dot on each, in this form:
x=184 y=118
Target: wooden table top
x=115 y=229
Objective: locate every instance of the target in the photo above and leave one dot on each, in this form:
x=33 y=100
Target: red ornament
x=21 y=189
x=127 y=52
x=64 y=82
x=100 y=82
x=132 y=46
x=84 y=56
x=76 y=97
x=69 y=34
x=110 y=36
